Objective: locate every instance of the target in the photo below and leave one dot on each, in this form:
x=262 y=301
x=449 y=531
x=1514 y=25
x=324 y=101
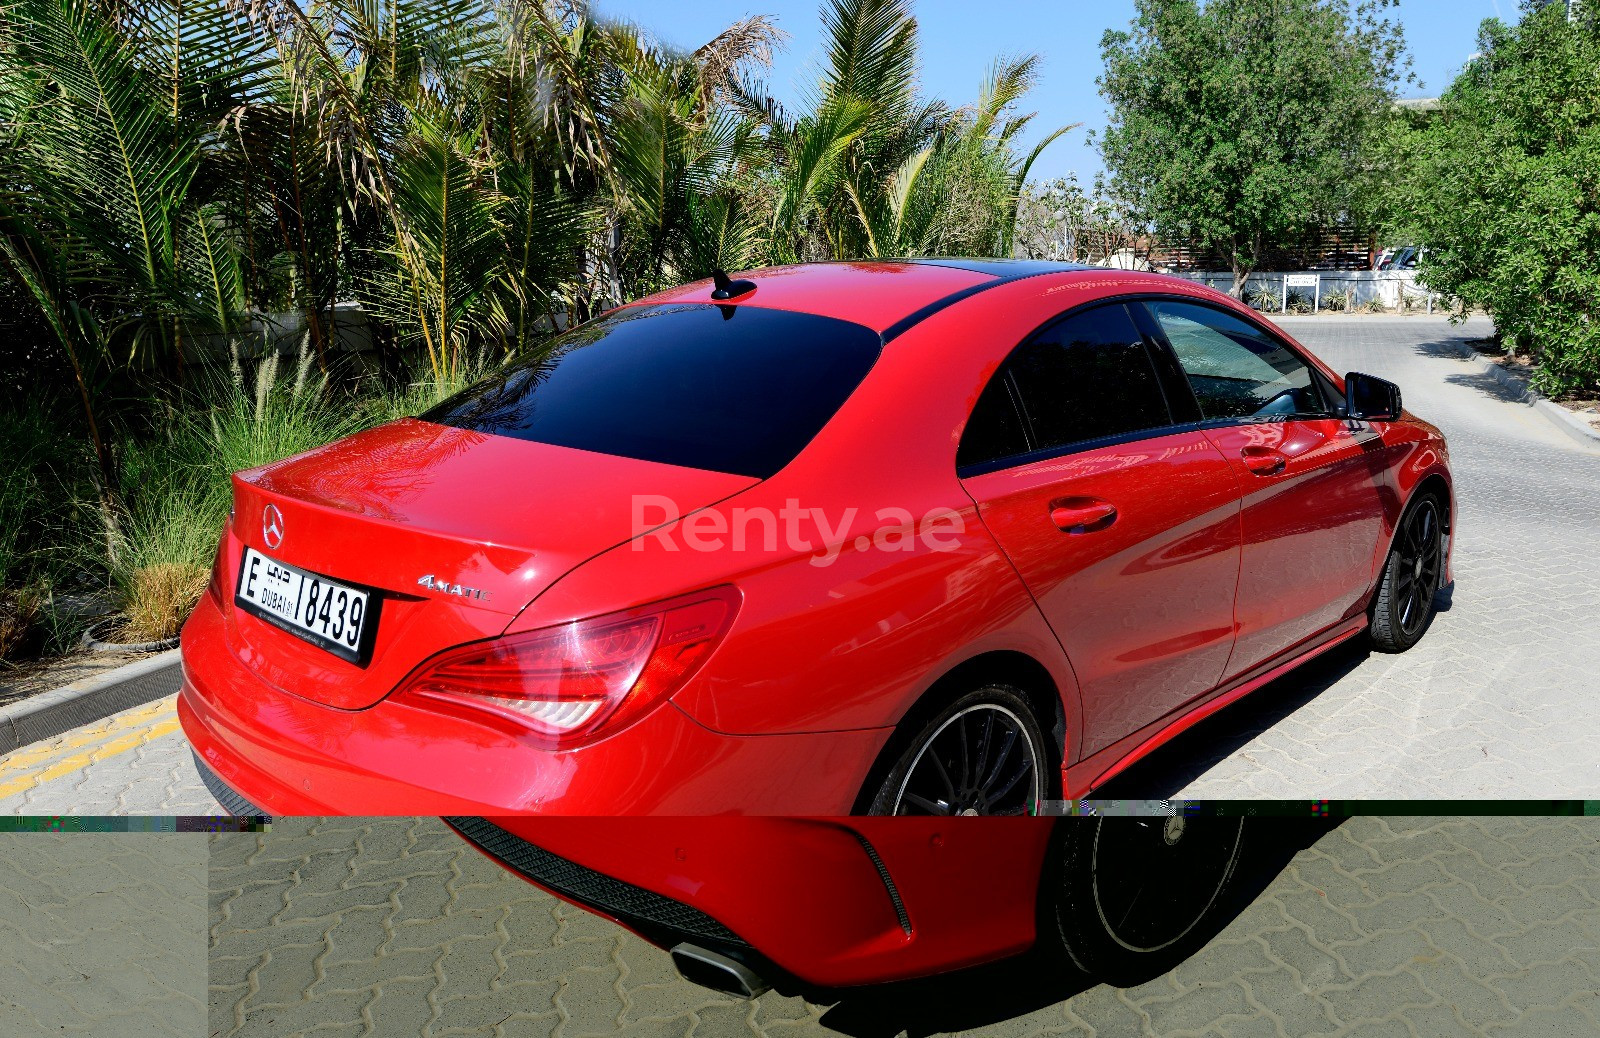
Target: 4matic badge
x=429 y=581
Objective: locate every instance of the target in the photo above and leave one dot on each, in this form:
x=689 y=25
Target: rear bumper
x=799 y=902
x=288 y=755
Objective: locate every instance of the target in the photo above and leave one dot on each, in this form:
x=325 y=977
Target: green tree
x=1502 y=184
x=1240 y=123
x=1059 y=220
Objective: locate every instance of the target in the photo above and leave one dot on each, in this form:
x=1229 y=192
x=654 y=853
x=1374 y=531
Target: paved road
x=1497 y=701
x=1380 y=927
x=102 y=934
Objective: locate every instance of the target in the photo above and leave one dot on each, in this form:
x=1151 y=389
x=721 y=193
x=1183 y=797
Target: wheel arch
x=997 y=666
x=1437 y=484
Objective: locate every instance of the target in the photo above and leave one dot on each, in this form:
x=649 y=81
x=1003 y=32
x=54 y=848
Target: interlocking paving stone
x=136 y=762
x=1416 y=927
x=102 y=934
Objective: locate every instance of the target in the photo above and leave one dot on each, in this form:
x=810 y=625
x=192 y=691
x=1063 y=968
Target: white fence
x=284 y=334
x=347 y=330
x=1349 y=289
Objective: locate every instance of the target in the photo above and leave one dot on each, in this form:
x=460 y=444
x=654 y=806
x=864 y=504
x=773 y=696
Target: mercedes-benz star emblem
x=272 y=526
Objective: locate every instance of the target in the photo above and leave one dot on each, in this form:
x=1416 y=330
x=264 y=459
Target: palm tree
x=960 y=193
x=475 y=172
x=871 y=168
x=102 y=222
x=681 y=162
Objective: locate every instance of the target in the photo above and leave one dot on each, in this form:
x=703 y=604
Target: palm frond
x=817 y=149
x=871 y=50
x=741 y=48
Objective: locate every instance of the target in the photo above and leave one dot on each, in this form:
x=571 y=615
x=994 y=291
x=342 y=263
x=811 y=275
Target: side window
x=1087 y=377
x=1236 y=370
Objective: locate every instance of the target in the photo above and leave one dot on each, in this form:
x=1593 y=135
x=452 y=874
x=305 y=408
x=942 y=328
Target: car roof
x=887 y=296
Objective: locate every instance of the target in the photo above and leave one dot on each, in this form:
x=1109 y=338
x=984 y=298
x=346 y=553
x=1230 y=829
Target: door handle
x=1264 y=461
x=1082 y=514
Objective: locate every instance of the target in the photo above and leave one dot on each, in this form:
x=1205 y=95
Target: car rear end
x=366 y=647
x=747 y=903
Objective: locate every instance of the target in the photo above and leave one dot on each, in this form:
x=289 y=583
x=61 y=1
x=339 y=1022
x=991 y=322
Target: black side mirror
x=1370 y=399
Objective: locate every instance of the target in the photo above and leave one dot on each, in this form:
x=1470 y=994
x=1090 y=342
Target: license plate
x=330 y=615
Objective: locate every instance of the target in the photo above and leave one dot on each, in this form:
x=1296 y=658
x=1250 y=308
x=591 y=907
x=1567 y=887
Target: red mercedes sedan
x=937 y=536
x=744 y=904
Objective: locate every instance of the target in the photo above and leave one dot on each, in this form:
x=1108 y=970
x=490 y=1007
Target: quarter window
x=1236 y=369
x=995 y=429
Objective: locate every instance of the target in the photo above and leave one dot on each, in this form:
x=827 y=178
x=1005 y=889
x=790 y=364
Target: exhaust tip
x=709 y=969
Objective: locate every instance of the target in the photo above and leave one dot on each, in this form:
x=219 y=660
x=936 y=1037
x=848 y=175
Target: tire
x=1132 y=896
x=937 y=773
x=1403 y=608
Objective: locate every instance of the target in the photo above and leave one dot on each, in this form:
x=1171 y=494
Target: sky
x=958 y=46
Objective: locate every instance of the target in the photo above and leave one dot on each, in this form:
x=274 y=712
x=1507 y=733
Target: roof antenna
x=727 y=288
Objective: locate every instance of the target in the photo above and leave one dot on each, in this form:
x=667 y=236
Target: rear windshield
x=724 y=388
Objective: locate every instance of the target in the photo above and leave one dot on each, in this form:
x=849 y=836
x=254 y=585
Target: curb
x=1559 y=416
x=1571 y=424
x=48 y=714
x=93 y=644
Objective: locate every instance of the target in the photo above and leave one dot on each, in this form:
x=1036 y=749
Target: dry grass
x=21 y=614
x=159 y=599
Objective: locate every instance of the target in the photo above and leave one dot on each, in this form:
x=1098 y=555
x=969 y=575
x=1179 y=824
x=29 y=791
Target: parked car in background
x=1403 y=258
x=942 y=536
x=744 y=904
x=1347 y=260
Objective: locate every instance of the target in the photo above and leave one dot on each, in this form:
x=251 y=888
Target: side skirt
x=1078 y=780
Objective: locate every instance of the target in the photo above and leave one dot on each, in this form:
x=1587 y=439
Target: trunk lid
x=456 y=531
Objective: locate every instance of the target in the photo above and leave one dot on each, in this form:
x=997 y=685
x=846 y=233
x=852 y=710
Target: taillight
x=584 y=678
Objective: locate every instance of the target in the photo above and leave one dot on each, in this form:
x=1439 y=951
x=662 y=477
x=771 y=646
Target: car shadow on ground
x=1001 y=991
x=1175 y=765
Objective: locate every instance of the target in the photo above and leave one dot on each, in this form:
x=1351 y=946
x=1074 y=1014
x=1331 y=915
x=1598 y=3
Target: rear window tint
x=728 y=389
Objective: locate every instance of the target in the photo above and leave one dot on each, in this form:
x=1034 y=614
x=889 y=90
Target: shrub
x=234 y=427
x=21 y=623
x=159 y=568
x=1503 y=185
x=417 y=395
x=1263 y=299
x=46 y=514
x=179 y=488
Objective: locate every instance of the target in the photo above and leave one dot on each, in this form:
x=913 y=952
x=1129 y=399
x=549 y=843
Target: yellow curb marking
x=87 y=746
x=90 y=733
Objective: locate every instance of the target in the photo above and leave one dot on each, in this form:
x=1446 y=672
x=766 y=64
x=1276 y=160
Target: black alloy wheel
x=1134 y=894
x=985 y=754
x=1404 y=606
